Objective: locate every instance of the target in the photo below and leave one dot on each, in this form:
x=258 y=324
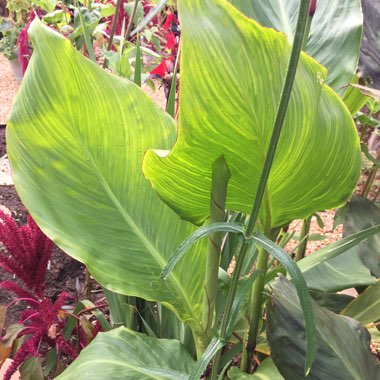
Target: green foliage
x=112 y=217
x=133 y=356
x=370 y=48
x=343 y=350
x=360 y=213
x=366 y=307
x=334 y=37
x=309 y=158
x=77 y=142
x=266 y=371
x=10 y=31
x=338 y=265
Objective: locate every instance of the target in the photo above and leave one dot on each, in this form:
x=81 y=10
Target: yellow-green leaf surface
x=266 y=371
x=232 y=72
x=123 y=354
x=76 y=139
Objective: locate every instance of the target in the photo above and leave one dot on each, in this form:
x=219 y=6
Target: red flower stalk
x=42 y=323
x=27 y=256
x=123 y=15
x=28 y=252
x=312 y=7
x=24 y=53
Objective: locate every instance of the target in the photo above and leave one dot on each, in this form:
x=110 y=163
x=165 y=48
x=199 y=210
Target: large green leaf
x=343 y=351
x=338 y=265
x=335 y=32
x=359 y=214
x=369 y=62
x=366 y=307
x=266 y=371
x=76 y=138
x=232 y=72
x=342 y=272
x=123 y=354
x=335 y=302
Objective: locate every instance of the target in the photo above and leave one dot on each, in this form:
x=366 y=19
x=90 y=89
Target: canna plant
x=83 y=144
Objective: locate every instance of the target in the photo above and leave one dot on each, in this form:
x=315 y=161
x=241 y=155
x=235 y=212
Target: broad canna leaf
x=76 y=139
x=366 y=307
x=334 y=37
x=359 y=214
x=338 y=265
x=266 y=371
x=343 y=351
x=369 y=62
x=232 y=72
x=342 y=272
x=123 y=354
x=335 y=302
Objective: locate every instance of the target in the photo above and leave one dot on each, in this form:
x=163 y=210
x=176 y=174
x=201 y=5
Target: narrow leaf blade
x=302 y=291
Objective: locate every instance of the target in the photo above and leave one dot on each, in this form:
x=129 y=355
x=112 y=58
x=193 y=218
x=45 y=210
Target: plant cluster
x=8 y=42
x=184 y=222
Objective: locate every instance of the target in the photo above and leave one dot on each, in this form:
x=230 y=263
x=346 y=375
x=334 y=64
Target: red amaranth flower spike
x=14 y=288
x=28 y=252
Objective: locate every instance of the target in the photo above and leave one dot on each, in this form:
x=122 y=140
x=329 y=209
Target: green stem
x=230 y=299
x=87 y=285
x=255 y=307
x=170 y=104
x=113 y=28
x=256 y=300
x=137 y=75
x=129 y=28
x=220 y=178
x=370 y=179
x=307 y=30
x=87 y=38
x=376 y=195
x=303 y=239
x=278 y=124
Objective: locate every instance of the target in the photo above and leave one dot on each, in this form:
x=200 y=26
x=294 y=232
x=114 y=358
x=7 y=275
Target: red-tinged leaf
x=160 y=70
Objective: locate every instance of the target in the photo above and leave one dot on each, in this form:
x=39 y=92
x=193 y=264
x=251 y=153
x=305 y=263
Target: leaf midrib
x=138 y=231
